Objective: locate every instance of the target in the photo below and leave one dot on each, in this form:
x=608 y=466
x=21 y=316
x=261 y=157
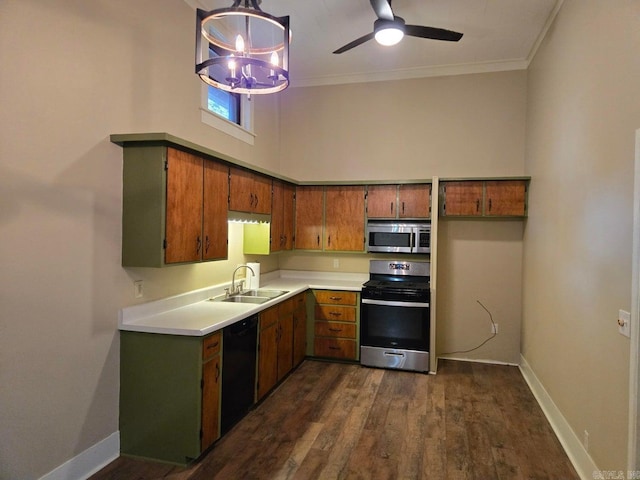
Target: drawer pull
x=213 y=346
x=331 y=347
x=335 y=314
x=335 y=299
x=335 y=329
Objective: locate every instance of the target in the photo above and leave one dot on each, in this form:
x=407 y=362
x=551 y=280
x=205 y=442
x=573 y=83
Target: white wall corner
x=581 y=460
x=88 y=462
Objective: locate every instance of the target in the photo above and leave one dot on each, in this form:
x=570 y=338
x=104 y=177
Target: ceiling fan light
x=389 y=36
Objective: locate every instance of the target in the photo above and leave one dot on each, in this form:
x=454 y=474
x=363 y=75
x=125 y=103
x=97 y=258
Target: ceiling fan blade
x=382 y=9
x=432 y=33
x=355 y=43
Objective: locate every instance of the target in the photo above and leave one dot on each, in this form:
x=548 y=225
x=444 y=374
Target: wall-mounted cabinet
x=282 y=213
x=174 y=207
x=330 y=218
x=484 y=198
x=309 y=217
x=399 y=201
x=249 y=192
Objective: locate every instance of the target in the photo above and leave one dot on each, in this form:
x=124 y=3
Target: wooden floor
x=337 y=421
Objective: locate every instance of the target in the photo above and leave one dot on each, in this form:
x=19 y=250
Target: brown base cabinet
x=169 y=395
x=275 y=346
x=299 y=328
x=335 y=324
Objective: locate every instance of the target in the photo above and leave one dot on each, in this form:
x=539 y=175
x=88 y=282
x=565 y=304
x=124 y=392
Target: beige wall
x=583 y=108
x=72 y=74
x=458 y=126
x=479 y=260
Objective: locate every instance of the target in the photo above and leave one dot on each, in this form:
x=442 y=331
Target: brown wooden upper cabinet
x=282 y=213
x=174 y=207
x=344 y=218
x=309 y=217
x=484 y=198
x=249 y=192
x=399 y=201
x=197 y=190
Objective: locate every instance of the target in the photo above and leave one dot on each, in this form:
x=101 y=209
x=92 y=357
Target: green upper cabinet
x=484 y=198
x=174 y=207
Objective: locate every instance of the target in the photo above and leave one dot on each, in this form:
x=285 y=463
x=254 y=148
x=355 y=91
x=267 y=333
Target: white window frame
x=243 y=132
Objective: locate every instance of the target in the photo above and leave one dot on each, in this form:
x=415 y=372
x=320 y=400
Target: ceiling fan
x=389 y=29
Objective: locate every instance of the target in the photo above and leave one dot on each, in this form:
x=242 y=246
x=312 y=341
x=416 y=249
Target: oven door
x=390 y=239
x=394 y=324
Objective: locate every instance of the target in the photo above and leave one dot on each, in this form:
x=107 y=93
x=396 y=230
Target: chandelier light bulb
x=275 y=59
x=239 y=44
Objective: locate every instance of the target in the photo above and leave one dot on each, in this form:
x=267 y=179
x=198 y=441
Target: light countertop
x=194 y=314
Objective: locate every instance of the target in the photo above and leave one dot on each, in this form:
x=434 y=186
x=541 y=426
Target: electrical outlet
x=494 y=328
x=585 y=440
x=624 y=319
x=138 y=289
x=336 y=263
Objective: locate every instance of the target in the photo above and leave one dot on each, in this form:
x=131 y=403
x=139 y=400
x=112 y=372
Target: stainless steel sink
x=243 y=299
x=261 y=292
x=258 y=296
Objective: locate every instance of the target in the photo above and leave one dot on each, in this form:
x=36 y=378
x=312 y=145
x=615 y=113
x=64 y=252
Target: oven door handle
x=387 y=303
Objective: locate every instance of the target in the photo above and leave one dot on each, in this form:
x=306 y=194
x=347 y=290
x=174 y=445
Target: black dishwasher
x=239 y=345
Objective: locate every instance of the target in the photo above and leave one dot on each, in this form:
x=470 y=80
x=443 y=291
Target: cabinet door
x=505 y=197
x=277 y=217
x=216 y=198
x=184 y=207
x=268 y=351
x=462 y=198
x=344 y=218
x=381 y=201
x=241 y=195
x=414 y=201
x=299 y=334
x=210 y=402
x=261 y=194
x=285 y=345
x=288 y=216
x=309 y=206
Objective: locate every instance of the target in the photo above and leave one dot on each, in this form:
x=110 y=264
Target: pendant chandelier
x=242 y=49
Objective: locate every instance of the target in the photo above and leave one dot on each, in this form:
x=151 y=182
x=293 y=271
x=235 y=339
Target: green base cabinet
x=161 y=395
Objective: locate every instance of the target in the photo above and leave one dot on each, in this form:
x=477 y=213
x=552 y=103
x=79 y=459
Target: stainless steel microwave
x=397 y=237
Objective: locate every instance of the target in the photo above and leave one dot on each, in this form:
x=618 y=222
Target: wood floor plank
x=342 y=421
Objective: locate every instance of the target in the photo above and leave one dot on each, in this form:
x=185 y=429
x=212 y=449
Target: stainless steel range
x=394 y=315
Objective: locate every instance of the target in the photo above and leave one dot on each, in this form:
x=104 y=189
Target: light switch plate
x=624 y=320
x=138 y=289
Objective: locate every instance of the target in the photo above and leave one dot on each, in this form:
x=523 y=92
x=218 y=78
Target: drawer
x=269 y=317
x=333 y=329
x=336 y=313
x=211 y=345
x=335 y=297
x=335 y=347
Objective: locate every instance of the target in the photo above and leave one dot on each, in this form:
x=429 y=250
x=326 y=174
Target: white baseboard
x=480 y=360
x=581 y=460
x=88 y=462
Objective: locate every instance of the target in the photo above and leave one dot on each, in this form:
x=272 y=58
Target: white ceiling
x=498 y=35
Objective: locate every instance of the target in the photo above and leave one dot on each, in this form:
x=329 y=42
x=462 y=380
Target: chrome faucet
x=233 y=280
